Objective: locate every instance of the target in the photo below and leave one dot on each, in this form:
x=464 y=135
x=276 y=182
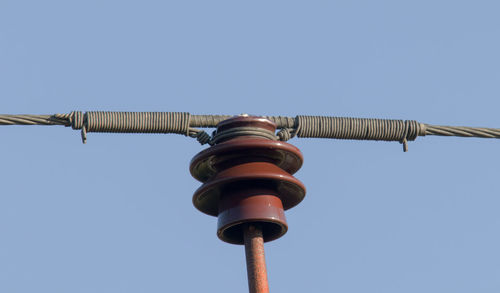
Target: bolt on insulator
x=248 y=183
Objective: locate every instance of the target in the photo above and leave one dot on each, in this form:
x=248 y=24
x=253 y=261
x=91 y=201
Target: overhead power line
x=300 y=126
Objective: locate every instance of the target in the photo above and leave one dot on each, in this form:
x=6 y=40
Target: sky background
x=115 y=215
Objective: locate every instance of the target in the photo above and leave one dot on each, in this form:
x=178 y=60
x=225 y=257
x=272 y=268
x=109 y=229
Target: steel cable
x=462 y=131
x=33 y=120
x=300 y=126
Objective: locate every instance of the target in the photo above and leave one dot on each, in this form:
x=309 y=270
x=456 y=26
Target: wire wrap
x=137 y=122
x=358 y=128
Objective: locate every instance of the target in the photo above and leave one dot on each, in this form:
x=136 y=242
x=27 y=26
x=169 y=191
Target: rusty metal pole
x=256 y=259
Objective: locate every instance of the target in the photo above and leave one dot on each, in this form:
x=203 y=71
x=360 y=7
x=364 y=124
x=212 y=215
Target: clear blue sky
x=115 y=215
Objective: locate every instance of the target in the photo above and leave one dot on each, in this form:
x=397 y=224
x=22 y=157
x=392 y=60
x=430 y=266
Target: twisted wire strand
x=463 y=131
x=212 y=120
x=207 y=121
x=32 y=120
x=300 y=126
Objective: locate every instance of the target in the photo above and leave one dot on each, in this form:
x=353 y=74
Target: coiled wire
x=358 y=128
x=138 y=122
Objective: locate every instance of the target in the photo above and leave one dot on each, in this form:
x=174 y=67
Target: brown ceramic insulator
x=214 y=159
x=250 y=205
x=246 y=121
x=248 y=179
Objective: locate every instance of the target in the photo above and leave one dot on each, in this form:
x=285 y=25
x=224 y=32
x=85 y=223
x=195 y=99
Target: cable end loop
x=84 y=134
x=405 y=145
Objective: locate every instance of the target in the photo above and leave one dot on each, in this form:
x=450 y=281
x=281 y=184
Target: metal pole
x=256 y=261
